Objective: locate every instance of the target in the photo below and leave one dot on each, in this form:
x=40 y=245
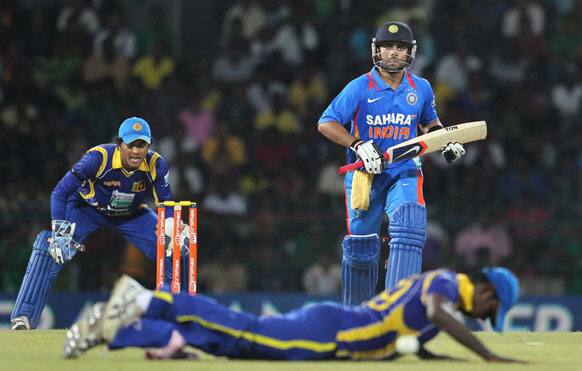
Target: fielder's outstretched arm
x=437 y=314
x=425 y=354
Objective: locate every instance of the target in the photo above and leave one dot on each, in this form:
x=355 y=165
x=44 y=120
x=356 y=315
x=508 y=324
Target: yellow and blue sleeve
x=85 y=169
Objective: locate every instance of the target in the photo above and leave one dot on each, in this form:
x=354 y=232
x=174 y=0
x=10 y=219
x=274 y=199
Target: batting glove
x=370 y=153
x=453 y=151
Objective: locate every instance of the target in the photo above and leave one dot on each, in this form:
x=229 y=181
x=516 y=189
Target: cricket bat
x=427 y=143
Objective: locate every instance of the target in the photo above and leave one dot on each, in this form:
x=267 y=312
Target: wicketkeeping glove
x=453 y=151
x=370 y=153
x=62 y=247
x=169 y=232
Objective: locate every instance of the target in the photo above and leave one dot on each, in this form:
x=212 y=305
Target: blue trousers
x=311 y=333
x=139 y=229
x=389 y=191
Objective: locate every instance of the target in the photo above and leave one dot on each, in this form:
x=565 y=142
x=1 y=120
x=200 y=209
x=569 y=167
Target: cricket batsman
x=418 y=308
x=107 y=187
x=382 y=108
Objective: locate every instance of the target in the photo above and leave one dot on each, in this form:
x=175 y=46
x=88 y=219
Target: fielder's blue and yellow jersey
x=99 y=180
x=402 y=311
x=319 y=331
x=375 y=111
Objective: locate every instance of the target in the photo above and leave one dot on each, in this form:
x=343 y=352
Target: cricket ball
x=407 y=344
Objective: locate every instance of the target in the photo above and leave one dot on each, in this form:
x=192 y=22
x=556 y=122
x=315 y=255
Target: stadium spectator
x=486 y=237
x=116 y=30
x=233 y=65
x=324 y=276
x=251 y=15
x=78 y=14
x=154 y=67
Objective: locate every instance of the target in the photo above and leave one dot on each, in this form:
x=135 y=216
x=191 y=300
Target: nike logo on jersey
x=370 y=100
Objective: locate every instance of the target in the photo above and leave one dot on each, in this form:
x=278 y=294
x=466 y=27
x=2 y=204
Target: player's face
x=133 y=154
x=394 y=55
x=485 y=302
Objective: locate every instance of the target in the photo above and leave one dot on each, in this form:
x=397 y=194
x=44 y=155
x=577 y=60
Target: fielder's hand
x=453 y=151
x=169 y=231
x=62 y=247
x=370 y=153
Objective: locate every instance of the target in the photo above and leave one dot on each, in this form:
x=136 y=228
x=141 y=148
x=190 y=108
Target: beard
x=392 y=64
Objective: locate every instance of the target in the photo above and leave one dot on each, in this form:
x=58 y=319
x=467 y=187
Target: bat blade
x=405 y=152
x=428 y=143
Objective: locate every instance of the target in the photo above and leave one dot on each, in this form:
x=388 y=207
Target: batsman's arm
x=437 y=314
x=431 y=126
x=340 y=112
x=335 y=132
x=452 y=151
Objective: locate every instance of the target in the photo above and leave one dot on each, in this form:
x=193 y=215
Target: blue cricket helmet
x=393 y=32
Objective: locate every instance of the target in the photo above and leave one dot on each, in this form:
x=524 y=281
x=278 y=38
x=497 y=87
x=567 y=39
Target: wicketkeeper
x=106 y=188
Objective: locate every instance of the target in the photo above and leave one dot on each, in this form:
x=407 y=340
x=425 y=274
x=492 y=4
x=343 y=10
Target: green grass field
x=41 y=350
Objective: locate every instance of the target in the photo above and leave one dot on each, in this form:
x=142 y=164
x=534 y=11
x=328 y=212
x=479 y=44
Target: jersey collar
x=377 y=82
x=116 y=162
x=466 y=293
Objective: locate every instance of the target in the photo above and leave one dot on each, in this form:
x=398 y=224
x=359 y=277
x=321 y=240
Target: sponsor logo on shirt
x=120 y=200
x=390 y=131
x=390 y=118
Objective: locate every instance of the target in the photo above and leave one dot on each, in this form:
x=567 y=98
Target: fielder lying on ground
x=419 y=306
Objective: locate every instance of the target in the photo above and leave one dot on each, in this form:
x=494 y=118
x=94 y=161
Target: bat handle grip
x=358 y=165
x=351 y=167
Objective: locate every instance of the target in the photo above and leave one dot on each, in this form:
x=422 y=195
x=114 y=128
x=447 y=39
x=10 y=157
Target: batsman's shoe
x=85 y=333
x=122 y=309
x=20 y=323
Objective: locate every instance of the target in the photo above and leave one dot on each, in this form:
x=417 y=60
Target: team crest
x=138 y=186
x=393 y=28
x=411 y=98
x=137 y=126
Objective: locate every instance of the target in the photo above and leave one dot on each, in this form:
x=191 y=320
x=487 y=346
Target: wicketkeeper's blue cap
x=507 y=290
x=135 y=128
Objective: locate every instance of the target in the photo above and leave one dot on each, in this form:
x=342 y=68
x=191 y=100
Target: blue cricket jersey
x=99 y=180
x=375 y=111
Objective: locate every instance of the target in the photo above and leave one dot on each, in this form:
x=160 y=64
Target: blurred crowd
x=237 y=125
